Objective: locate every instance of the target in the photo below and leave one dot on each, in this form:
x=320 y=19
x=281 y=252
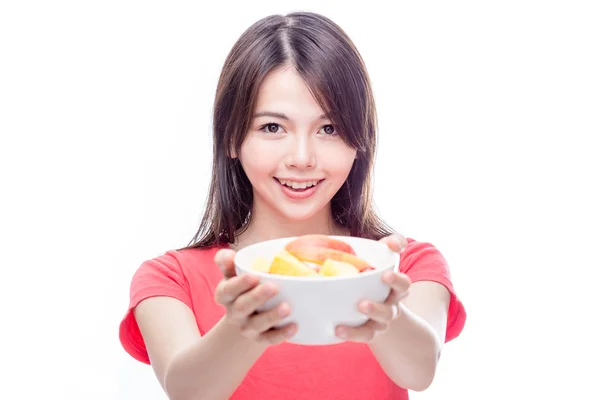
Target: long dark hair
x=327 y=60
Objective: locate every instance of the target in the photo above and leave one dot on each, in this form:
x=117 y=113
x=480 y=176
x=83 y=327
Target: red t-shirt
x=285 y=371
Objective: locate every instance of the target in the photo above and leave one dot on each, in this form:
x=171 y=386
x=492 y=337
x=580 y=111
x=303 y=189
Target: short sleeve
x=160 y=276
x=423 y=262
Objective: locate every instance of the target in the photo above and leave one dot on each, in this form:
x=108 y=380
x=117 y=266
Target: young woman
x=294 y=143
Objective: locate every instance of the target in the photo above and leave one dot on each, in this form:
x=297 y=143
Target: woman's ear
x=232 y=152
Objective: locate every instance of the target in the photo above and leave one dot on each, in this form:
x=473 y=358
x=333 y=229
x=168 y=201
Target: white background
x=489 y=122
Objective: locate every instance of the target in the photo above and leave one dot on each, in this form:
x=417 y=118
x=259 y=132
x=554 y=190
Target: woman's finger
x=248 y=302
x=395 y=298
x=228 y=290
x=278 y=335
x=395 y=242
x=379 y=312
x=363 y=333
x=224 y=259
x=264 y=321
x=398 y=282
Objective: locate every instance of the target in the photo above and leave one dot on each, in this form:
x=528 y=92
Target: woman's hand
x=242 y=296
x=380 y=314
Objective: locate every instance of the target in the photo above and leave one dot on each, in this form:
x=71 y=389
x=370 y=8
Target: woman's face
x=292 y=155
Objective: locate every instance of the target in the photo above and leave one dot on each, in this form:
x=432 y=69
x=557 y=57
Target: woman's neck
x=265 y=225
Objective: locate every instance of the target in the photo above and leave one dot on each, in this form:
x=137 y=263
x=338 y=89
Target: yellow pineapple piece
x=286 y=264
x=337 y=268
x=260 y=264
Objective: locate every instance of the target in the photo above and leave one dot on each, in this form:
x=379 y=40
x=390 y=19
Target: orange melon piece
x=319 y=241
x=318 y=255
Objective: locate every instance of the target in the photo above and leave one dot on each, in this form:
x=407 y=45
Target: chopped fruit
x=337 y=268
x=260 y=264
x=314 y=255
x=318 y=255
x=319 y=241
x=286 y=264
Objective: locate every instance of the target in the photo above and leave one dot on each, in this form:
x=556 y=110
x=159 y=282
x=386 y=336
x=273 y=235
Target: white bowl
x=319 y=304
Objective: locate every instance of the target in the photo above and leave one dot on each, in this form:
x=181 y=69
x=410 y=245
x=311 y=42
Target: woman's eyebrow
x=279 y=115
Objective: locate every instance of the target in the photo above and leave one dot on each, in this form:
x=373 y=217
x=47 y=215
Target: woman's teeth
x=298 y=185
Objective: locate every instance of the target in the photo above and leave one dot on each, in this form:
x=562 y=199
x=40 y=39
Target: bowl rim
x=396 y=257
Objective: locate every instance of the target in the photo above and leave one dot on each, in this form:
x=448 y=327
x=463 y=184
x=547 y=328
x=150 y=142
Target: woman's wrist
x=231 y=334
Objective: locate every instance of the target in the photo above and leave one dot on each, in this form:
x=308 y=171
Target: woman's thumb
x=224 y=260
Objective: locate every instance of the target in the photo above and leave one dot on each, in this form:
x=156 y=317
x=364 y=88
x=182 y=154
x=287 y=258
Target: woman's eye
x=328 y=129
x=270 y=128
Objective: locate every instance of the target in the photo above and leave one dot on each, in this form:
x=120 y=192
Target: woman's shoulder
x=423 y=261
x=189 y=261
x=185 y=267
x=194 y=255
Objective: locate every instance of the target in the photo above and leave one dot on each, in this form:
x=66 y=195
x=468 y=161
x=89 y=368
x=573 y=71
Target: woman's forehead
x=284 y=94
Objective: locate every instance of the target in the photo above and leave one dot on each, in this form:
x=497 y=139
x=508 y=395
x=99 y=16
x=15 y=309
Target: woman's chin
x=298 y=213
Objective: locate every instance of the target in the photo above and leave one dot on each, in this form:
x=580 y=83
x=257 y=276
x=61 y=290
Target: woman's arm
x=187 y=365
x=408 y=351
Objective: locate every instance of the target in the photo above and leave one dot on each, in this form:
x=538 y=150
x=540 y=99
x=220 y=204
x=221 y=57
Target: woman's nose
x=301 y=153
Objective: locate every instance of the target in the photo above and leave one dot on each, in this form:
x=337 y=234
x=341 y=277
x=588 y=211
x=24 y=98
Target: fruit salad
x=314 y=255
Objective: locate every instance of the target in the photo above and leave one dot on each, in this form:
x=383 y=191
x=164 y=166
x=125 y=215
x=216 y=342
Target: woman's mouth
x=299 y=186
x=297 y=189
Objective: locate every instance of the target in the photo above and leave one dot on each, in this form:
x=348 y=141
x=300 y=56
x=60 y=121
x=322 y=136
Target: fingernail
x=388 y=277
x=290 y=331
x=366 y=307
x=283 y=310
x=270 y=289
x=341 y=332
